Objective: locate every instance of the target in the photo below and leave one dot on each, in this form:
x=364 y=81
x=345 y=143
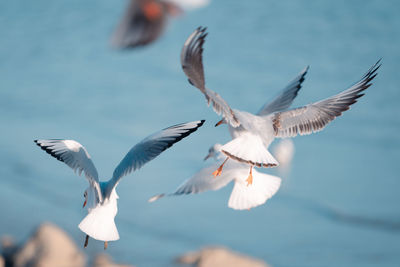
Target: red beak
x=219 y=123
x=84 y=203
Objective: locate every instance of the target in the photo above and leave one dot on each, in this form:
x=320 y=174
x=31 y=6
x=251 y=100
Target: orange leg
x=105 y=245
x=219 y=170
x=86 y=241
x=249 y=179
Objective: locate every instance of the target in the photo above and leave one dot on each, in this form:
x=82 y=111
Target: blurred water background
x=59 y=78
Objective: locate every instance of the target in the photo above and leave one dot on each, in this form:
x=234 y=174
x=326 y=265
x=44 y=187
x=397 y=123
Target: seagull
x=144 y=20
x=101 y=197
x=252 y=134
x=243 y=197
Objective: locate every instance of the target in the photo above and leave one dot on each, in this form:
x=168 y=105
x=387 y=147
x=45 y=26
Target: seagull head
x=214 y=152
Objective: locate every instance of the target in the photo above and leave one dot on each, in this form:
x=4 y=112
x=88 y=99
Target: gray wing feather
x=314 y=117
x=151 y=147
x=75 y=156
x=192 y=65
x=204 y=181
x=286 y=97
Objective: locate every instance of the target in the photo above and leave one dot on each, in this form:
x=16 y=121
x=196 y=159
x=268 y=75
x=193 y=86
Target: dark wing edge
x=314 y=117
x=152 y=146
x=192 y=65
x=286 y=97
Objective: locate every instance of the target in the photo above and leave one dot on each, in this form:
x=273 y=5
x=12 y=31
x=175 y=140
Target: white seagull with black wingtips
x=101 y=197
x=252 y=134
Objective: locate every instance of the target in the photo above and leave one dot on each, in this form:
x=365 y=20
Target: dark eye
x=85 y=194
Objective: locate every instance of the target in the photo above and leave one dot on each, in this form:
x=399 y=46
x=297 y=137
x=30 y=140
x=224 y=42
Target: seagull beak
x=219 y=123
x=84 y=203
x=207 y=157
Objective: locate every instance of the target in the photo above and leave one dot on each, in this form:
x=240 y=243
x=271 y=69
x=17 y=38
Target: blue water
x=60 y=79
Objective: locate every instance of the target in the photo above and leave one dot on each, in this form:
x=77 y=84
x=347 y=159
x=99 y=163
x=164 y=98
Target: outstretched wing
x=314 y=117
x=75 y=156
x=192 y=65
x=286 y=97
x=204 y=181
x=151 y=147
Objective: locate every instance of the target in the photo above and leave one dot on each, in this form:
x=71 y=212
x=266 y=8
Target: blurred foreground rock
x=103 y=260
x=219 y=257
x=49 y=246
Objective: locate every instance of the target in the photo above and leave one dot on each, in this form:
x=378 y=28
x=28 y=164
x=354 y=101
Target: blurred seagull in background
x=145 y=20
x=101 y=197
x=252 y=134
x=283 y=151
x=242 y=196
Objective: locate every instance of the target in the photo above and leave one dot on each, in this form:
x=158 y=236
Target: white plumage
x=272 y=120
x=101 y=197
x=242 y=197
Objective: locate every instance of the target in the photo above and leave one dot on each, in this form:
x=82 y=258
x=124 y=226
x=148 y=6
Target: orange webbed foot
x=249 y=179
x=219 y=170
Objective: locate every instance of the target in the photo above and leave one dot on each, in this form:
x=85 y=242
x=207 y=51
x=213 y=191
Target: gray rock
x=219 y=257
x=8 y=248
x=49 y=246
x=103 y=260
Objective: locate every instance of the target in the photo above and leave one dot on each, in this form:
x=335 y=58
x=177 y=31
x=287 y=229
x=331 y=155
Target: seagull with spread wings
x=101 y=197
x=252 y=134
x=243 y=197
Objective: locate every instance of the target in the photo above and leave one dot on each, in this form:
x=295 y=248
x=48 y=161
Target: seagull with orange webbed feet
x=252 y=134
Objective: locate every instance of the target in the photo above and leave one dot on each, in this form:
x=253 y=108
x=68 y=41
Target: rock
x=219 y=257
x=103 y=260
x=49 y=246
x=8 y=248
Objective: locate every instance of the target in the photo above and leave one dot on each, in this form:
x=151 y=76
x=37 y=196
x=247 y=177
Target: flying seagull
x=145 y=20
x=243 y=197
x=101 y=197
x=252 y=134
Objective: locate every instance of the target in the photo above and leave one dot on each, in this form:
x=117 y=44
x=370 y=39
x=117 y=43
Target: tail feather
x=99 y=223
x=246 y=197
x=249 y=148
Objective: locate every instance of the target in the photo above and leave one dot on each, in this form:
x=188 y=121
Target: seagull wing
x=192 y=65
x=314 y=117
x=151 y=147
x=75 y=156
x=286 y=97
x=204 y=181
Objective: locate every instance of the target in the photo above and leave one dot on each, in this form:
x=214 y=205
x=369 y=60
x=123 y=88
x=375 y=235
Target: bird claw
x=249 y=179
x=217 y=172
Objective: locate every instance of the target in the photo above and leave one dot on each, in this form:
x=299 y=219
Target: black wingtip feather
x=48 y=151
x=177 y=139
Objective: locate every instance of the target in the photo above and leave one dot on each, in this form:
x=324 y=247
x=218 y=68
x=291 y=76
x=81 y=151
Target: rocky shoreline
x=50 y=246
